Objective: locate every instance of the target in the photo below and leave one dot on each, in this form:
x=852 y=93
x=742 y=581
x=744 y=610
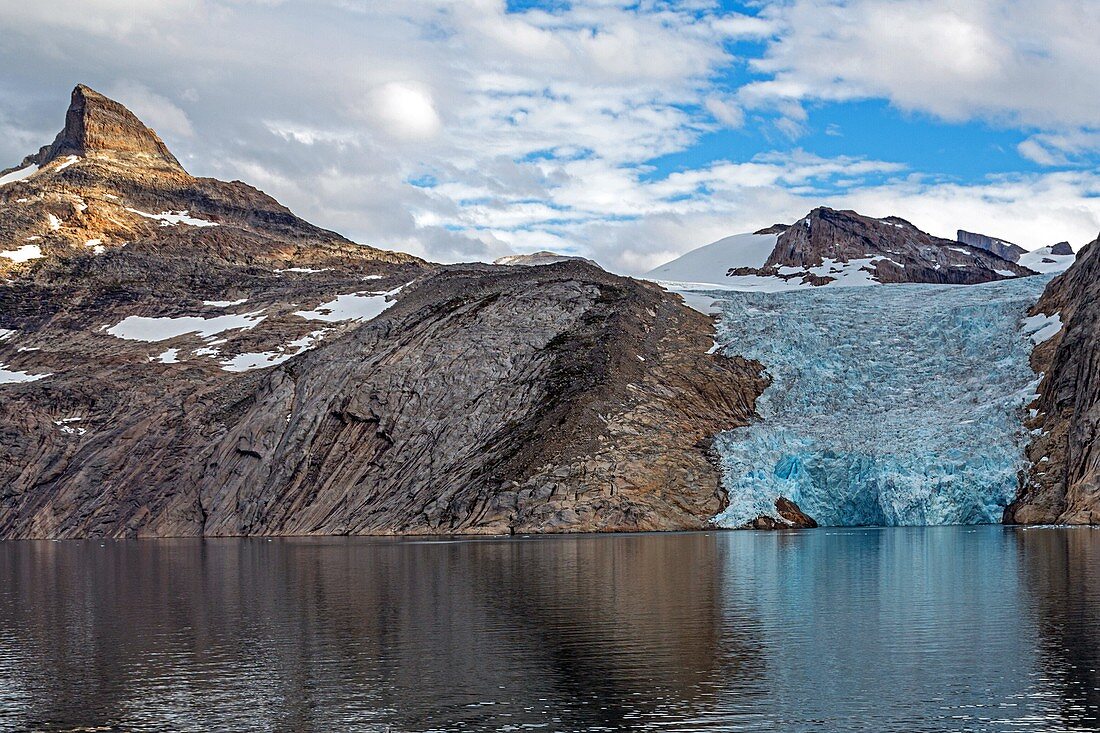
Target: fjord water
x=889 y=405
x=898 y=629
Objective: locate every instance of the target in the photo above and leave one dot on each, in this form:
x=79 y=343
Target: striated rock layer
x=181 y=357
x=1062 y=484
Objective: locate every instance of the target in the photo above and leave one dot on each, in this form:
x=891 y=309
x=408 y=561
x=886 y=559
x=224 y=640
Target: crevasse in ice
x=889 y=405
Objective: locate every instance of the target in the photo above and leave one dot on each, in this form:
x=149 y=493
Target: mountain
x=1062 y=483
x=181 y=356
x=1001 y=248
x=539 y=258
x=835 y=248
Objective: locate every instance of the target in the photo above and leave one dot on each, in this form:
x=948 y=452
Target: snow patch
x=24 y=254
x=709 y=264
x=1042 y=261
x=67 y=162
x=224 y=303
x=172 y=218
x=1041 y=327
x=18 y=175
x=10 y=377
x=143 y=328
x=262 y=360
x=170 y=356
x=350 y=307
x=55 y=223
x=305 y=269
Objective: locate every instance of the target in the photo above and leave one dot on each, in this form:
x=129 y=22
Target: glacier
x=889 y=405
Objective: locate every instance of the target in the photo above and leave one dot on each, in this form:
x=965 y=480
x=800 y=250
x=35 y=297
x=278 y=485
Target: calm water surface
x=906 y=629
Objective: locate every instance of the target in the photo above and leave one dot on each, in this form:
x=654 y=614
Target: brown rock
x=483 y=400
x=1062 y=484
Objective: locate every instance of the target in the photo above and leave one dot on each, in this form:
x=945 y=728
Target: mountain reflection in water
x=942 y=628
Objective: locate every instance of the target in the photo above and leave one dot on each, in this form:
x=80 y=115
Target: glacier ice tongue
x=895 y=405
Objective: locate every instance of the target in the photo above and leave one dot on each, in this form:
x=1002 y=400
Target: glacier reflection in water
x=890 y=405
x=886 y=630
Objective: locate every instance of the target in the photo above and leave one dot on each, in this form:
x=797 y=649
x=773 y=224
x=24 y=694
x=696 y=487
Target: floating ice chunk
x=24 y=254
x=350 y=307
x=1041 y=327
x=18 y=175
x=171 y=218
x=143 y=328
x=10 y=377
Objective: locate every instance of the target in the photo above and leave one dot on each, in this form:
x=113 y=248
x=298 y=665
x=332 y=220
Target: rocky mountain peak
x=95 y=124
x=829 y=245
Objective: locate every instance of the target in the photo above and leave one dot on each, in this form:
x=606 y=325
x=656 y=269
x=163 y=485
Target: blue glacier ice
x=889 y=405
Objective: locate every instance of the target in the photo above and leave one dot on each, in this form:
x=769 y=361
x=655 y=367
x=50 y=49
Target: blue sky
x=626 y=130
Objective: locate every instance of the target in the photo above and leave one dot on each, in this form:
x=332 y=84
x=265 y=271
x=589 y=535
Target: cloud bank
x=469 y=129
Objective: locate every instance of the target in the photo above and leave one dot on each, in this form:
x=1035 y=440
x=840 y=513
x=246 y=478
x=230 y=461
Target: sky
x=629 y=132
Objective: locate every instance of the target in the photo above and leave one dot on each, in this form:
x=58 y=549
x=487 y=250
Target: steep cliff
x=1063 y=482
x=183 y=356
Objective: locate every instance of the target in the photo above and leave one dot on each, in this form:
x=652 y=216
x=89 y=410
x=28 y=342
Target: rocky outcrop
x=1062 y=483
x=788 y=516
x=1001 y=248
x=828 y=245
x=185 y=357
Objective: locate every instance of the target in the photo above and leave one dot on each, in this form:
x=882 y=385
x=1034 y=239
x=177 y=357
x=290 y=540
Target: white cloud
x=405 y=111
x=534 y=130
x=1027 y=62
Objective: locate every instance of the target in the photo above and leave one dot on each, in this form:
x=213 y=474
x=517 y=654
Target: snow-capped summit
x=709 y=264
x=1055 y=258
x=834 y=248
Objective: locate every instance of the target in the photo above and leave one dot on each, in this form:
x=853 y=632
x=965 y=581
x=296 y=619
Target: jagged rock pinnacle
x=97 y=124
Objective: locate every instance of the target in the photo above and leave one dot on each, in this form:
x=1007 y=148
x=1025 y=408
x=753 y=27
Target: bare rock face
x=1062 y=484
x=184 y=357
x=826 y=245
x=1003 y=249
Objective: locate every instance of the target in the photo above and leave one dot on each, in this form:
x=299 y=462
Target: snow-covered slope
x=709 y=264
x=1044 y=260
x=893 y=405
